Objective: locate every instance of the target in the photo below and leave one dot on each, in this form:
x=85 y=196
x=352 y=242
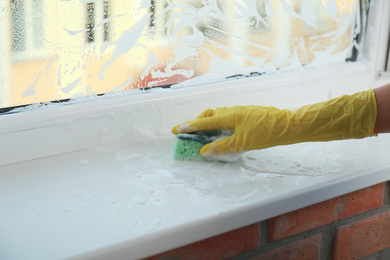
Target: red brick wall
x=351 y=226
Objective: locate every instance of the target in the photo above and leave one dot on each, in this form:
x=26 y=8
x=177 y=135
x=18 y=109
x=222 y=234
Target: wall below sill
x=333 y=229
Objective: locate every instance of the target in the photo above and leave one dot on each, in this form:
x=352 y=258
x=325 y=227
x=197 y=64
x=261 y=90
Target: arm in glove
x=382 y=124
x=258 y=127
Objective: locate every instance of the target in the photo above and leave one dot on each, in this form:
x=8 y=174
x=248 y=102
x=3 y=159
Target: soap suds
x=186 y=127
x=151 y=170
x=228 y=157
x=303 y=159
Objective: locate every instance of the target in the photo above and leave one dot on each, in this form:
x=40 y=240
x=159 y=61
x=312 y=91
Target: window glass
x=55 y=50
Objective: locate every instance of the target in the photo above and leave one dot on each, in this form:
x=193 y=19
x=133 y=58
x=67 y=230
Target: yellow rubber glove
x=258 y=127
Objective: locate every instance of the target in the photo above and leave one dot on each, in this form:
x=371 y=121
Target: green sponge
x=187 y=146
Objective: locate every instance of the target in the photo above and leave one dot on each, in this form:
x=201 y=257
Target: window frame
x=388 y=59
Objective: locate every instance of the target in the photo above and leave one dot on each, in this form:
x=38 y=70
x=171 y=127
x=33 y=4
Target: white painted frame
x=377 y=36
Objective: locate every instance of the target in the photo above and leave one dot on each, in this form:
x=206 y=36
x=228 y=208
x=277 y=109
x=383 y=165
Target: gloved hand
x=258 y=127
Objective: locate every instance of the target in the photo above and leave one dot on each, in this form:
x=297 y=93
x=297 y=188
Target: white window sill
x=105 y=185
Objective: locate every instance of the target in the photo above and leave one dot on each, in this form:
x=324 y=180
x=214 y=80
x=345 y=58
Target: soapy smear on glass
x=55 y=50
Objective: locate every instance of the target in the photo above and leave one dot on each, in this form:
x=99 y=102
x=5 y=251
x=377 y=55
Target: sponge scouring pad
x=187 y=146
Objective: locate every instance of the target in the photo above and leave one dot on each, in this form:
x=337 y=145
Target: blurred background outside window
x=55 y=50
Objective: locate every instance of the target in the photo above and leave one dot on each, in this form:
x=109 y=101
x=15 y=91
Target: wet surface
x=106 y=195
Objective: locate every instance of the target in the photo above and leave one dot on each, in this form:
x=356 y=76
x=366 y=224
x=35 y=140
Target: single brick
x=326 y=212
x=363 y=237
x=219 y=247
x=305 y=249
